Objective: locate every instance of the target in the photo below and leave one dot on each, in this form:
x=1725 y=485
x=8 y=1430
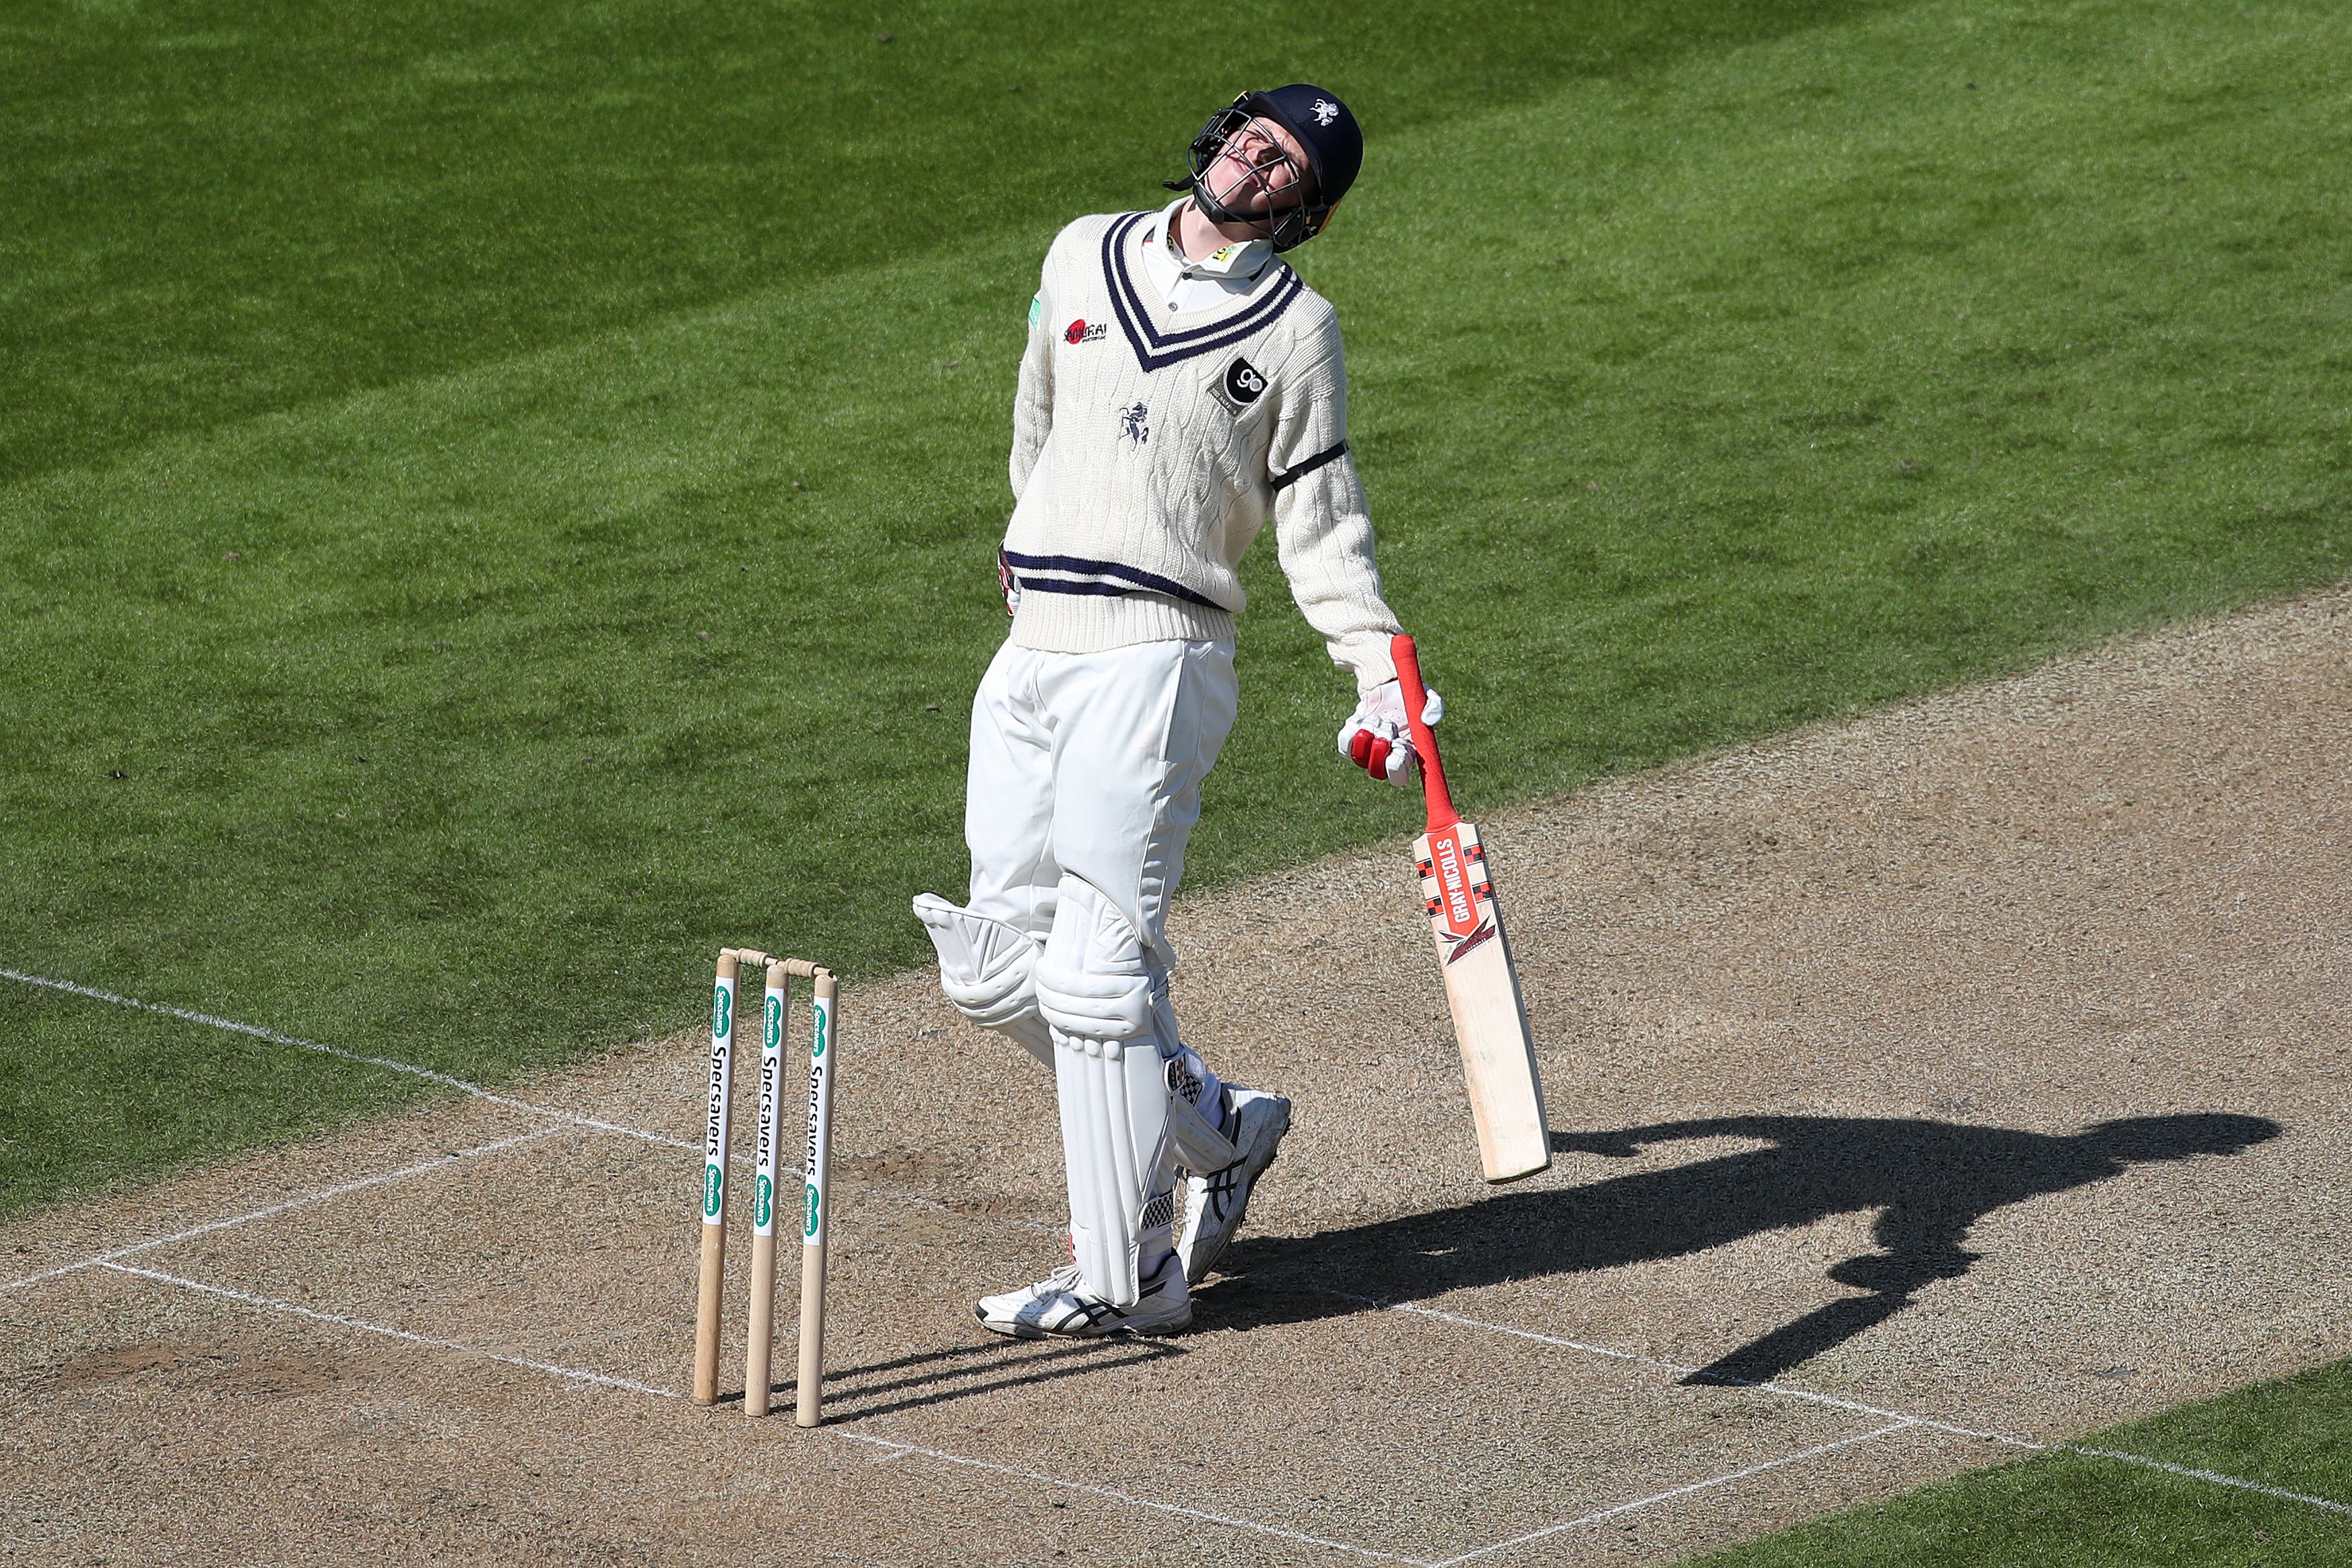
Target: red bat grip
x=1424 y=740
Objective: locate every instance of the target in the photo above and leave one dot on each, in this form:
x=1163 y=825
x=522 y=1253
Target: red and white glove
x=1376 y=737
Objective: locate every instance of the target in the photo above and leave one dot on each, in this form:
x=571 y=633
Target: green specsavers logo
x=823 y=1029
x=722 y=1012
x=808 y=1228
x=714 y=1185
x=775 y=1039
x=763 y=1203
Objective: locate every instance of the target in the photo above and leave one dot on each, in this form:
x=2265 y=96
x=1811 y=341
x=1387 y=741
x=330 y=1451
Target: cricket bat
x=1482 y=985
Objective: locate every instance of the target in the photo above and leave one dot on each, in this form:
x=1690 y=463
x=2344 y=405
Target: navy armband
x=1282 y=482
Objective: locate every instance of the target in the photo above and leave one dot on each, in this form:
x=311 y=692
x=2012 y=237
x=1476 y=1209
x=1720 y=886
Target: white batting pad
x=988 y=969
x=1107 y=1004
x=1115 y=1149
x=1094 y=979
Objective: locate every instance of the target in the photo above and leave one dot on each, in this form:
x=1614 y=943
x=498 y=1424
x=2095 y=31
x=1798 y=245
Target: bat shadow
x=1929 y=1182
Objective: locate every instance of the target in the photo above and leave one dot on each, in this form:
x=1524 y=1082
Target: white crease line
x=896 y=1450
x=2214 y=1476
x=1117 y=1496
x=106 y=1260
x=1679 y=1492
x=274 y=1038
x=1727 y=1381
x=572 y=1372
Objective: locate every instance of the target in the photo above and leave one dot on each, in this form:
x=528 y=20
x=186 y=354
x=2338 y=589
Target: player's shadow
x=1929 y=1182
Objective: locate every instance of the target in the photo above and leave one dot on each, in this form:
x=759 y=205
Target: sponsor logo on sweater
x=1241 y=384
x=1134 y=423
x=1084 y=332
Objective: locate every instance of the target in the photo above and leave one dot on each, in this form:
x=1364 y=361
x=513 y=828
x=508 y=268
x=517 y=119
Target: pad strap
x=1199 y=1144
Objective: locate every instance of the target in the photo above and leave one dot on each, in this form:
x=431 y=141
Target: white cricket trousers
x=1089 y=766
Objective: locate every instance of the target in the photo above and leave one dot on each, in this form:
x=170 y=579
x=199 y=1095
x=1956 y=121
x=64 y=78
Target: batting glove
x=1376 y=737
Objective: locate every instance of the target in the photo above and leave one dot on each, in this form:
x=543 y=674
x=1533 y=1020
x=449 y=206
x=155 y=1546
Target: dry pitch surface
x=1969 y=1073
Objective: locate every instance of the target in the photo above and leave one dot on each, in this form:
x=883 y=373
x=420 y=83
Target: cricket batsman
x=1182 y=386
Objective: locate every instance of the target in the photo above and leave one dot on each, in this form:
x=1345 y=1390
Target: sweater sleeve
x=1322 y=531
x=1033 y=399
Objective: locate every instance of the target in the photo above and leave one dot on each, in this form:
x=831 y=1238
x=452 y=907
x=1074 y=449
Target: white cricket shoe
x=1060 y=1306
x=1254 y=1122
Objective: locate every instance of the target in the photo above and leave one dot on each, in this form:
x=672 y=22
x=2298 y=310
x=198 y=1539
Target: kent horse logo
x=1133 y=423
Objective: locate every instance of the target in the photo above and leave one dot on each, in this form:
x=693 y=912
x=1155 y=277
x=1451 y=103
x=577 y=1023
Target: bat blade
x=1482 y=991
x=1482 y=984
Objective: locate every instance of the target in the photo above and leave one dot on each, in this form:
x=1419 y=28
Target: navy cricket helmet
x=1335 y=152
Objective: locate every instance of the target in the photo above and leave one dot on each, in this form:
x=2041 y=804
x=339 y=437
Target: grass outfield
x=498 y=500
x=2065 y=1509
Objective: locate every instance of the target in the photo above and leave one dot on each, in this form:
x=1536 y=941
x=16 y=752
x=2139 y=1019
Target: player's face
x=1262 y=169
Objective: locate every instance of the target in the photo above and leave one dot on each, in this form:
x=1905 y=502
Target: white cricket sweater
x=1150 y=445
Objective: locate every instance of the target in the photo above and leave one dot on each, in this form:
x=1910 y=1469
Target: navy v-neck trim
x=1155 y=349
